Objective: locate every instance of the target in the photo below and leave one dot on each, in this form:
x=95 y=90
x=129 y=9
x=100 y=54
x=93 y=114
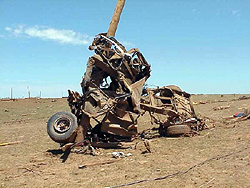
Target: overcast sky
x=203 y=46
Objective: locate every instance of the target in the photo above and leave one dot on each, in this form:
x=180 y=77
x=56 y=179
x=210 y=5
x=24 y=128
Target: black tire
x=162 y=130
x=61 y=126
x=175 y=130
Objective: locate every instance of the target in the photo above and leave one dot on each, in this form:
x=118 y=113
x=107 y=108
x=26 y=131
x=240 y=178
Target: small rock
x=6 y=110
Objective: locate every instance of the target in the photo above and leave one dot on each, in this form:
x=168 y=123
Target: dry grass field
x=220 y=156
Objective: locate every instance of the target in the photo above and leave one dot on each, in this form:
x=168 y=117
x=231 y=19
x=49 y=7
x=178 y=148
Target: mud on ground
x=36 y=161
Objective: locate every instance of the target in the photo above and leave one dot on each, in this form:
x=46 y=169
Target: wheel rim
x=62 y=124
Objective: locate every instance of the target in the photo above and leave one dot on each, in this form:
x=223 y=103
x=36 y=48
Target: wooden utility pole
x=116 y=17
x=28 y=88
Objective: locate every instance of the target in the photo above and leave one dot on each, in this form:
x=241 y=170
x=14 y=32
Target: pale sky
x=203 y=46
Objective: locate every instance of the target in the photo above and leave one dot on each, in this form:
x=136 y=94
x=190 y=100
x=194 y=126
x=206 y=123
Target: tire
x=162 y=130
x=61 y=126
x=176 y=130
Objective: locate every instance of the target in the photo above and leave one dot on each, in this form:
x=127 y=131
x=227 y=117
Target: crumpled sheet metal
x=169 y=101
x=112 y=87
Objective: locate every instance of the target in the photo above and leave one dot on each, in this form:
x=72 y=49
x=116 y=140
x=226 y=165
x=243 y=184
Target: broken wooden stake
x=98 y=163
x=10 y=143
x=221 y=107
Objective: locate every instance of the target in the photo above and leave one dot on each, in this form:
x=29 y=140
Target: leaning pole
x=116 y=17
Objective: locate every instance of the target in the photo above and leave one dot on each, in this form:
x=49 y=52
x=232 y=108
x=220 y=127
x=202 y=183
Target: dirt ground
x=217 y=157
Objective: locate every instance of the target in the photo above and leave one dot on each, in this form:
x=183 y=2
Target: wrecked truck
x=112 y=87
x=114 y=97
x=172 y=109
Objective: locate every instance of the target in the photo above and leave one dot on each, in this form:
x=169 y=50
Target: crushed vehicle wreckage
x=112 y=88
x=114 y=97
x=172 y=109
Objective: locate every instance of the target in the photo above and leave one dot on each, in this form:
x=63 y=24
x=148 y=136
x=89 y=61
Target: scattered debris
x=83 y=148
x=182 y=171
x=221 y=107
x=207 y=182
x=239 y=114
x=150 y=133
x=10 y=143
x=120 y=154
x=200 y=102
x=147 y=145
x=86 y=150
x=243 y=98
x=6 y=99
x=98 y=163
x=242 y=118
x=120 y=145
